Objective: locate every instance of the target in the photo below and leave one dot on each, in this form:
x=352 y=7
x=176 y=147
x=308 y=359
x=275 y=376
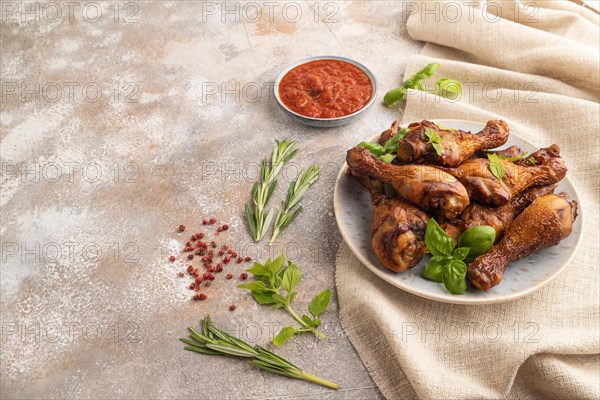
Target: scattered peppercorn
x=207 y=283
x=244 y=275
x=191 y=256
x=226 y=259
x=248 y=259
x=213 y=220
x=172 y=258
x=229 y=276
x=181 y=228
x=204 y=222
x=225 y=227
x=232 y=308
x=180 y=274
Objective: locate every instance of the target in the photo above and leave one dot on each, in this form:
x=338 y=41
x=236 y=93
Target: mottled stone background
x=122 y=120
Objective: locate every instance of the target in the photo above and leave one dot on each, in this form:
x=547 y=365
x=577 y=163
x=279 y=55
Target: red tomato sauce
x=325 y=89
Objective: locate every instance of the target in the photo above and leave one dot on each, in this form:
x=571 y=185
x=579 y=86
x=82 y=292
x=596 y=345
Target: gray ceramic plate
x=352 y=207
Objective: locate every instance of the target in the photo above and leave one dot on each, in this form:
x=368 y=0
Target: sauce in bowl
x=325 y=89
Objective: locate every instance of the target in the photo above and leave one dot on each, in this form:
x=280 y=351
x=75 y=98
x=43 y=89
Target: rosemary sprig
x=295 y=193
x=259 y=220
x=214 y=341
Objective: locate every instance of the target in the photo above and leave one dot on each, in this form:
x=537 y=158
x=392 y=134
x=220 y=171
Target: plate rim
x=459 y=299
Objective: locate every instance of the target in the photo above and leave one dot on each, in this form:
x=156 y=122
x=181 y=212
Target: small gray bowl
x=326 y=122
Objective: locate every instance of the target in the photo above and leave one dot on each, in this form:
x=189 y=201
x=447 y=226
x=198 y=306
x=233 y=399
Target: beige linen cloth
x=541 y=75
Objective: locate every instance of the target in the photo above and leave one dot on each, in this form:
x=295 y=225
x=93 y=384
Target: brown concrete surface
x=121 y=121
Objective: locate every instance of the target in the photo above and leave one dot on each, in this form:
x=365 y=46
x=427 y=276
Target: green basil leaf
x=394 y=95
x=430 y=69
x=496 y=166
x=291 y=277
x=263 y=297
x=435 y=141
x=438 y=242
x=316 y=323
x=478 y=239
x=320 y=302
x=461 y=253
x=388 y=158
x=454 y=277
x=448 y=88
x=374 y=148
x=275 y=266
x=257 y=270
x=283 y=336
x=434 y=271
x=256 y=285
x=513 y=159
x=391 y=146
x=429 y=133
x=308 y=320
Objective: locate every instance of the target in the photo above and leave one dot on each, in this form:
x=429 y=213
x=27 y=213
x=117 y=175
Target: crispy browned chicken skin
x=397 y=233
x=498 y=218
x=485 y=188
x=547 y=221
x=457 y=146
x=423 y=185
x=397 y=230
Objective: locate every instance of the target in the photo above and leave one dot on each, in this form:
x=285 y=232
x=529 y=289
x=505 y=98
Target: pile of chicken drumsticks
x=458 y=188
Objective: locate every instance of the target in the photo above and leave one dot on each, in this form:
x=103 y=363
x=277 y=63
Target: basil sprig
x=448 y=88
x=435 y=141
x=272 y=276
x=387 y=152
x=447 y=263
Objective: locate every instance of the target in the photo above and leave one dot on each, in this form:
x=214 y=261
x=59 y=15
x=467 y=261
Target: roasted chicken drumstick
x=398 y=228
x=498 y=218
x=486 y=188
x=423 y=185
x=547 y=221
x=457 y=146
